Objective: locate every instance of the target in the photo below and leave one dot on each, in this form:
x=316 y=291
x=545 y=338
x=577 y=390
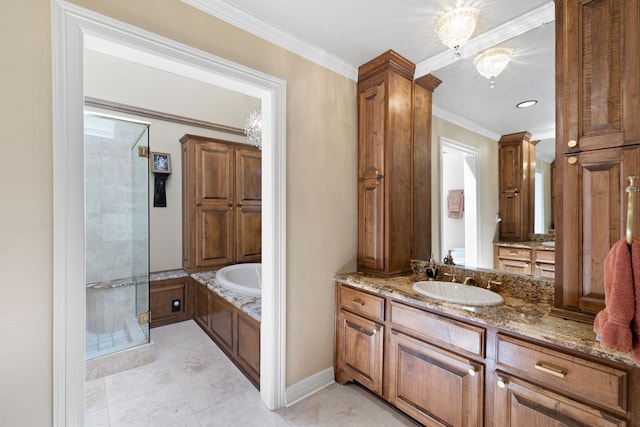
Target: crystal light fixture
x=253 y=128
x=456 y=27
x=492 y=62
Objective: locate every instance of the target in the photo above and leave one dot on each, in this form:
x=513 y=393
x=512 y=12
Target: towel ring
x=632 y=188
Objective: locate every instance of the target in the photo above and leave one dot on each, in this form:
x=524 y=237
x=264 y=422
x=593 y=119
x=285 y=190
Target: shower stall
x=116 y=234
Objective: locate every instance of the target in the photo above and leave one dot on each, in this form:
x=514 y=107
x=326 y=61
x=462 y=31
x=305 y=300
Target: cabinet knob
x=502 y=382
x=572 y=143
x=572 y=160
x=473 y=370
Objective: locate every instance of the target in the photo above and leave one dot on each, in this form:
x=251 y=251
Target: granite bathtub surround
x=169 y=274
x=527 y=304
x=250 y=305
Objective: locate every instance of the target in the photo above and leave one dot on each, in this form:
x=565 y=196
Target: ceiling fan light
x=492 y=62
x=456 y=27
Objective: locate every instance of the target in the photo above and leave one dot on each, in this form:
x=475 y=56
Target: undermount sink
x=458 y=293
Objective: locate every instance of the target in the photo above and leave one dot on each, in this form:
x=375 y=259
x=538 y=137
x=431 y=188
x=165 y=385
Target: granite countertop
x=530 y=319
x=529 y=244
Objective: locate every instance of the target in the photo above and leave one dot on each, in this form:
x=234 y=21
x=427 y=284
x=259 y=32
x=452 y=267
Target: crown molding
x=527 y=22
x=275 y=35
x=464 y=123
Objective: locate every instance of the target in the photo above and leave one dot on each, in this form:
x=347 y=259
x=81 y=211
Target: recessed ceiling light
x=526 y=104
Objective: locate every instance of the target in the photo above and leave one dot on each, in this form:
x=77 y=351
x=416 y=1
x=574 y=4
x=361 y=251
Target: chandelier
x=492 y=62
x=456 y=27
x=253 y=128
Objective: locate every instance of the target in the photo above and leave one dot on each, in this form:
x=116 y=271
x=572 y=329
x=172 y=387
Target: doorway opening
x=72 y=28
x=459 y=202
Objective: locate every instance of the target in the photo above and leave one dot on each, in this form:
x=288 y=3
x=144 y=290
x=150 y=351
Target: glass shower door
x=116 y=234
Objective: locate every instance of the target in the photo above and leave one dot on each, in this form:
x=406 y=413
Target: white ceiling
x=343 y=35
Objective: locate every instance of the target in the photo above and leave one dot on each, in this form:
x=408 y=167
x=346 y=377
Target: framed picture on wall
x=160 y=162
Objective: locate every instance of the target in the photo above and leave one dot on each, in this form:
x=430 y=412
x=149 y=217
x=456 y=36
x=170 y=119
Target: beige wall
x=321 y=188
x=488 y=191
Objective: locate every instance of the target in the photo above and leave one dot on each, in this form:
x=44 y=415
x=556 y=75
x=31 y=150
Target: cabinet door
x=216 y=236
x=593 y=219
x=371 y=227
x=372 y=104
x=249 y=233
x=522 y=404
x=202 y=306
x=221 y=321
x=359 y=351
x=436 y=387
x=214 y=174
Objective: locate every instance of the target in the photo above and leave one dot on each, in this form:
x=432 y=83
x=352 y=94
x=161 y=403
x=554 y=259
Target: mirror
x=470 y=114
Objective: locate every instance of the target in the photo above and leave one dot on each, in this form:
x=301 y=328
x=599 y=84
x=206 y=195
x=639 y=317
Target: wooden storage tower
x=385 y=165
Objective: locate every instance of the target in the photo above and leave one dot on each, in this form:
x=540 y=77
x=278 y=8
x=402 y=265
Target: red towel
x=614 y=323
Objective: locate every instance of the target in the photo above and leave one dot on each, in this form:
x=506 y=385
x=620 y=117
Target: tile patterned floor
x=191 y=383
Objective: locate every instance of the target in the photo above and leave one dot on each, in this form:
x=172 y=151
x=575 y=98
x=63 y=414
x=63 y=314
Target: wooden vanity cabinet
x=446 y=372
x=597 y=142
x=536 y=385
x=221 y=203
x=359 y=338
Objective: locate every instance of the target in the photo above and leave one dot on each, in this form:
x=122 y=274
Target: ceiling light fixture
x=253 y=128
x=456 y=27
x=526 y=104
x=492 y=62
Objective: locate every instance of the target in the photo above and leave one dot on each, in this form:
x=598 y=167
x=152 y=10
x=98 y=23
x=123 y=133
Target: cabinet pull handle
x=357 y=302
x=502 y=382
x=558 y=372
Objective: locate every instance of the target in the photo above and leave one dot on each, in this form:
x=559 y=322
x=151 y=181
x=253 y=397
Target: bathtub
x=243 y=278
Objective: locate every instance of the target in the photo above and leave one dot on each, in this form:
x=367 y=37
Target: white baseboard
x=309 y=386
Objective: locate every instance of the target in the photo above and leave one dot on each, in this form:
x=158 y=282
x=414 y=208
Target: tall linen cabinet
x=385 y=165
x=597 y=143
x=221 y=203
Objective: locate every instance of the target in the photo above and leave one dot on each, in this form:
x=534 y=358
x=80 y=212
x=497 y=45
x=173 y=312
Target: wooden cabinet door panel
x=249 y=343
x=434 y=386
x=359 y=350
x=597 y=62
x=371 y=239
x=202 y=306
x=249 y=232
x=216 y=234
x=522 y=404
x=371 y=119
x=214 y=164
x=593 y=220
x=248 y=177
x=221 y=321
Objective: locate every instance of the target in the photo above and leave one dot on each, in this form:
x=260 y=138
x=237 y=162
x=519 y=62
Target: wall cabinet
x=446 y=372
x=516 y=154
x=221 y=203
x=597 y=137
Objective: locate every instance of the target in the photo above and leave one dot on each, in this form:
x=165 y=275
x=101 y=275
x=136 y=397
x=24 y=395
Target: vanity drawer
x=546 y=256
x=360 y=302
x=598 y=383
x=439 y=330
x=514 y=253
